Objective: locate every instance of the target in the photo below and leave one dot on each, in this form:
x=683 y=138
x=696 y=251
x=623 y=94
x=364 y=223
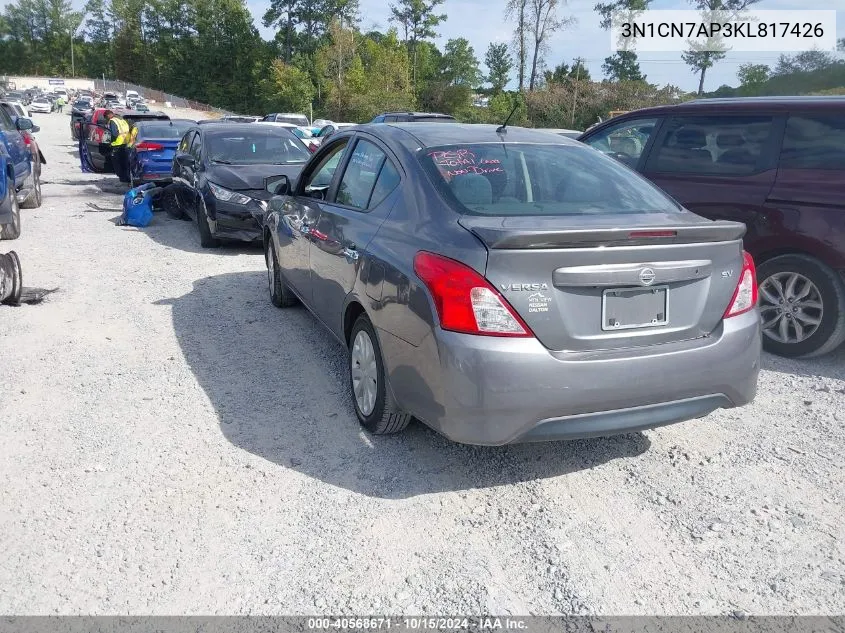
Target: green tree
x=290 y=89
x=418 y=21
x=563 y=73
x=804 y=62
x=622 y=66
x=517 y=10
x=752 y=76
x=459 y=64
x=98 y=33
x=544 y=21
x=499 y=64
x=700 y=58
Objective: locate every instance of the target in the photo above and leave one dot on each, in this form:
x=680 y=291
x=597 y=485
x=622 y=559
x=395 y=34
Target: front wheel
x=12 y=231
x=280 y=295
x=374 y=405
x=207 y=240
x=802 y=305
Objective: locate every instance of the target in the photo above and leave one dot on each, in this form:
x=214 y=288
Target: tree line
x=211 y=51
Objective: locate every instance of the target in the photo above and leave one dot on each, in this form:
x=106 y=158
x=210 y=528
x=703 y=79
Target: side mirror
x=278 y=185
x=23 y=124
x=186 y=160
x=35 y=129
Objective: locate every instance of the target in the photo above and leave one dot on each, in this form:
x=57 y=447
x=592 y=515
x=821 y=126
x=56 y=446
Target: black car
x=229 y=171
x=415 y=117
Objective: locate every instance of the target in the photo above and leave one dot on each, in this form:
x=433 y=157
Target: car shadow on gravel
x=105 y=184
x=278 y=383
x=184 y=236
x=829 y=366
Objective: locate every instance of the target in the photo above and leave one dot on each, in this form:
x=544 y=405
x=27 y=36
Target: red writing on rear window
x=465 y=161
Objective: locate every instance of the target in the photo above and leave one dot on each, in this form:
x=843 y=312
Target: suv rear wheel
x=33 y=201
x=802 y=305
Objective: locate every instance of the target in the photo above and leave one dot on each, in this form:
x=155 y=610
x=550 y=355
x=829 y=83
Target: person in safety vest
x=119 y=130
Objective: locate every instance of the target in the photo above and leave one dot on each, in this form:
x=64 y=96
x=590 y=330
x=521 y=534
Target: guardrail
x=158 y=96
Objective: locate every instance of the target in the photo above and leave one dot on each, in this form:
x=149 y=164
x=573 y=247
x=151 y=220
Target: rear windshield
x=514 y=179
x=163 y=129
x=257 y=147
x=296 y=120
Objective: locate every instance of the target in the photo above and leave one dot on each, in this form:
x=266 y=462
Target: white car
x=300 y=131
x=18 y=107
x=41 y=104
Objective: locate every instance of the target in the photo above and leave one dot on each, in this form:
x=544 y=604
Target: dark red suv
x=776 y=164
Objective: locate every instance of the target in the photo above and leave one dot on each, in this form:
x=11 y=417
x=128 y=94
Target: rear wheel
x=802 y=305
x=374 y=405
x=280 y=295
x=207 y=240
x=34 y=199
x=12 y=231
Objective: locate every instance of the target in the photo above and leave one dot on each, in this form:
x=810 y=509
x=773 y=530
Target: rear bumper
x=486 y=390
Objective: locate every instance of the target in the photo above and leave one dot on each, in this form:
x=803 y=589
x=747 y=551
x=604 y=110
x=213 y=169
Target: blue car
x=153 y=148
x=20 y=186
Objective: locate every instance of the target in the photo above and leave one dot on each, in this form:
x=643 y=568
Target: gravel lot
x=174 y=444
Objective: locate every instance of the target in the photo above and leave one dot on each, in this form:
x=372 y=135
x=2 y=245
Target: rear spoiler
x=562 y=232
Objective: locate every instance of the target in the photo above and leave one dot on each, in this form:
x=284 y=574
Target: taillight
x=465 y=301
x=147 y=146
x=745 y=295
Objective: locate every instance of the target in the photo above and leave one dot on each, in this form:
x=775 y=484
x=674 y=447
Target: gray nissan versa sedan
x=506 y=285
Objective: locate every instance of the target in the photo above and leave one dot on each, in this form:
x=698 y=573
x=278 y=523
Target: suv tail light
x=465 y=301
x=147 y=146
x=745 y=295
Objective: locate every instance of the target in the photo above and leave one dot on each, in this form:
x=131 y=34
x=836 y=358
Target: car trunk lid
x=607 y=282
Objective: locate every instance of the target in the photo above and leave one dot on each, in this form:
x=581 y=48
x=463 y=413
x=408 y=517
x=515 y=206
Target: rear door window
x=814 y=142
x=624 y=141
x=359 y=178
x=715 y=145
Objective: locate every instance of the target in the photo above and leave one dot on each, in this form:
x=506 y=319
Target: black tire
x=830 y=332
x=385 y=417
x=280 y=295
x=34 y=199
x=12 y=231
x=207 y=240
